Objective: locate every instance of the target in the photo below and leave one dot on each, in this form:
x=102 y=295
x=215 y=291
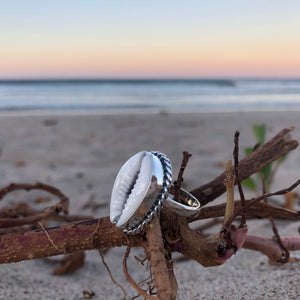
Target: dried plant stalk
x=229 y=184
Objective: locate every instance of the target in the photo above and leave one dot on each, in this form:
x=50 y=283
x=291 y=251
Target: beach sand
x=81 y=155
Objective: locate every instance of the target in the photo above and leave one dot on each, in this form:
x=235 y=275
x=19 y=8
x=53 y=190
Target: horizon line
x=144 y=78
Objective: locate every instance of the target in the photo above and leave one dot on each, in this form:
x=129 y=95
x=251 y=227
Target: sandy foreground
x=81 y=155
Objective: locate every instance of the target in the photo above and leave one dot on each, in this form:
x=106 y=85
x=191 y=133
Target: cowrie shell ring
x=141 y=189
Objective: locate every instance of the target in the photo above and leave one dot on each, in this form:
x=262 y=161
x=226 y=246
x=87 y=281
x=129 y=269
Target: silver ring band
x=189 y=205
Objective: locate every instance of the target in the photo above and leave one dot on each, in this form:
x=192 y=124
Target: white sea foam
x=132 y=96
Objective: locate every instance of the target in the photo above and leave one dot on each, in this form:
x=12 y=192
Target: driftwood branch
x=280 y=145
x=270 y=247
x=95 y=234
x=258 y=210
x=164 y=235
x=86 y=235
x=166 y=287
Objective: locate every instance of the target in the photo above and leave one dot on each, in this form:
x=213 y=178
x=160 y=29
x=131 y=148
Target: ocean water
x=148 y=95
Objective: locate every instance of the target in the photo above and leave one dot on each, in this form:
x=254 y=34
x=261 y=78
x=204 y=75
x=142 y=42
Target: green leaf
x=281 y=159
x=266 y=171
x=259 y=132
x=248 y=150
x=249 y=183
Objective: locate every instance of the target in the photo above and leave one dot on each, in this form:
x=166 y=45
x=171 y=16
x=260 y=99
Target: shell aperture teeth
x=122 y=185
x=130 y=187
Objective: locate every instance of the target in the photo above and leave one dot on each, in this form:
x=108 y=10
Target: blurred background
x=142 y=56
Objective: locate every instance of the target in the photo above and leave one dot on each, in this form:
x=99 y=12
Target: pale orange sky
x=133 y=39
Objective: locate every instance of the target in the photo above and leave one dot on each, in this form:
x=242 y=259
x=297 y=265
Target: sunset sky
x=116 y=39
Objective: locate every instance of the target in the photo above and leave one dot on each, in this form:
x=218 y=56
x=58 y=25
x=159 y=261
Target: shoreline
x=124 y=112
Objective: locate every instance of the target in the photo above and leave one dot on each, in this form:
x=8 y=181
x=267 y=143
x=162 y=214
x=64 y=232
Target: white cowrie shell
x=136 y=189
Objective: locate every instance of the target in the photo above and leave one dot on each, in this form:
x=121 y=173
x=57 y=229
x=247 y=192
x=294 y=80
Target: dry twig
x=110 y=274
x=236 y=172
x=62 y=205
x=131 y=281
x=177 y=184
x=254 y=201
